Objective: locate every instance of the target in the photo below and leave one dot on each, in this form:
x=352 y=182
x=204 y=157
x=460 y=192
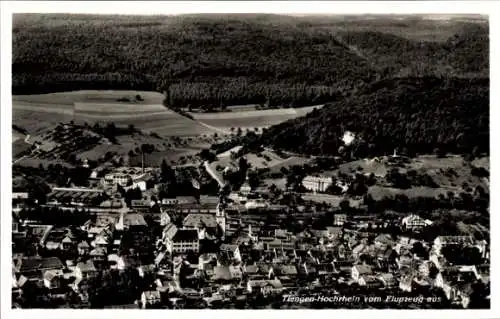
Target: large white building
x=317 y=183
x=128 y=177
x=184 y=241
x=117 y=178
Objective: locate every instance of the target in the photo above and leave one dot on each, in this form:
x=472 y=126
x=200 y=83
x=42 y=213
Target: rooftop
x=186 y=235
x=87 y=266
x=29 y=264
x=364 y=269
x=134 y=220
x=196 y=220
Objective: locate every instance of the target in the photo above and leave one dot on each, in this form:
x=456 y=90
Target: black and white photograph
x=216 y=160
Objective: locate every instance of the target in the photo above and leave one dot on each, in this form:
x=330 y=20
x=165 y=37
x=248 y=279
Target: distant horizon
x=430 y=16
x=445 y=9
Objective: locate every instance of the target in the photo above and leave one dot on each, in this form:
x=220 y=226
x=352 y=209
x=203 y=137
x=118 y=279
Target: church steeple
x=220 y=217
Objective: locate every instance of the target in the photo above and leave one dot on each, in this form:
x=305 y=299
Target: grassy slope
x=435 y=167
x=38 y=112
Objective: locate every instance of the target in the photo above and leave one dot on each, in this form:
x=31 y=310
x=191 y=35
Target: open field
x=164 y=149
x=268 y=159
x=38 y=112
x=251 y=119
x=35 y=120
x=19 y=147
x=330 y=199
x=450 y=171
x=379 y=192
x=91 y=96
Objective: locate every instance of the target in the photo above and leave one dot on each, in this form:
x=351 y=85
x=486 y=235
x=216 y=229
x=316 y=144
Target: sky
x=277 y=7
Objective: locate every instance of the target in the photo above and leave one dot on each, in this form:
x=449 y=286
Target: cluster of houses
x=217 y=250
x=199 y=259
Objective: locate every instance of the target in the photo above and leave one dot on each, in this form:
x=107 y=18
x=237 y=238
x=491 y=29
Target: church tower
x=220 y=217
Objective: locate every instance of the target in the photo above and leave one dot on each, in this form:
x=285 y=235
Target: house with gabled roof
x=360 y=270
x=34 y=267
x=85 y=269
x=52 y=279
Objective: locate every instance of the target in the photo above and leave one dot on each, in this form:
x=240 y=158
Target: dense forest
x=235 y=59
x=417 y=115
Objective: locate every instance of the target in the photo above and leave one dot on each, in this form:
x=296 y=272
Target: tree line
x=213 y=62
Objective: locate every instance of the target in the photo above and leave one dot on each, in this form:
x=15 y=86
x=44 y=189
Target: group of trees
x=212 y=62
x=112 y=287
x=178 y=181
x=417 y=114
x=411 y=178
x=203 y=62
x=111 y=131
x=454 y=56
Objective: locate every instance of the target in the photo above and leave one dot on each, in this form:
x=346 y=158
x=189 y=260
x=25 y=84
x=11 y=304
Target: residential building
x=414 y=223
x=360 y=270
x=84 y=270
x=35 y=267
x=52 y=279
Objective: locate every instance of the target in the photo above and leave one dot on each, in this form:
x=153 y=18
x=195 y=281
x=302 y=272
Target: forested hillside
x=233 y=59
x=465 y=53
x=417 y=114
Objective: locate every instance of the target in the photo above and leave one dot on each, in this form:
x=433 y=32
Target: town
x=250 y=161
x=124 y=242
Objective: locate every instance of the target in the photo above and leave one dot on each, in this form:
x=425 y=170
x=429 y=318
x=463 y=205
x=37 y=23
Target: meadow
x=38 y=112
x=250 y=119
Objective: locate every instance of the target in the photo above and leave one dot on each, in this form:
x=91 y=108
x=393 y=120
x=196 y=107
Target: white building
x=317 y=183
x=121 y=179
x=184 y=241
x=128 y=176
x=414 y=222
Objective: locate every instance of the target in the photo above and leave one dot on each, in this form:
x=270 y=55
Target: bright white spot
x=348 y=138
